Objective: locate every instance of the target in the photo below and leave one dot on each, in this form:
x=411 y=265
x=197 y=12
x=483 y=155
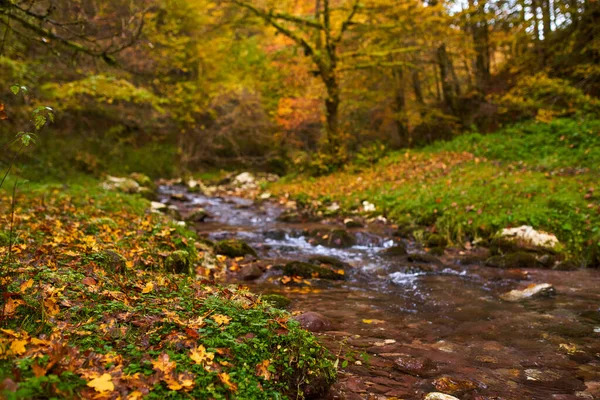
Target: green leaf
x=15 y=89
x=39 y=121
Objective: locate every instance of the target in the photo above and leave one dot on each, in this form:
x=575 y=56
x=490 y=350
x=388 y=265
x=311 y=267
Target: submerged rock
x=439 y=396
x=531 y=291
x=327 y=260
x=453 y=385
x=313 y=322
x=306 y=270
x=234 y=248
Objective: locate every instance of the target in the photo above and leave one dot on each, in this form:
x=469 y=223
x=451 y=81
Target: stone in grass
x=276 y=300
x=234 y=248
x=180 y=262
x=306 y=270
x=110 y=260
x=125 y=185
x=531 y=291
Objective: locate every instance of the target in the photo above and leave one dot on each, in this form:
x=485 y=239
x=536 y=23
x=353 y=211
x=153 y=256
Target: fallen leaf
x=102 y=383
x=226 y=379
x=262 y=369
x=18 y=346
x=200 y=356
x=26 y=285
x=163 y=364
x=148 y=288
x=221 y=319
x=88 y=281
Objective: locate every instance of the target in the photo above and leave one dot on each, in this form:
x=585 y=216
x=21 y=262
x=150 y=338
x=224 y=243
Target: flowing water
x=402 y=331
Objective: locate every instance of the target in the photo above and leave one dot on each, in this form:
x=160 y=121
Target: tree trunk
x=332 y=105
x=546 y=19
x=536 y=22
x=480 y=33
x=416 y=84
x=400 y=111
x=448 y=88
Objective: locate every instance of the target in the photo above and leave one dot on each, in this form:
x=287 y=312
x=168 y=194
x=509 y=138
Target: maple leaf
x=226 y=379
x=11 y=306
x=262 y=369
x=26 y=285
x=221 y=319
x=200 y=356
x=163 y=364
x=102 y=383
x=18 y=347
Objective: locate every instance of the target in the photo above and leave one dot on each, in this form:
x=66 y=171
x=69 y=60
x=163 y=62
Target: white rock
x=156 y=206
x=265 y=195
x=244 y=178
x=333 y=207
x=368 y=207
x=530 y=235
x=126 y=185
x=439 y=396
x=535 y=290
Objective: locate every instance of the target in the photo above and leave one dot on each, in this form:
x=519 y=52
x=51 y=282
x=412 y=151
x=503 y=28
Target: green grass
x=544 y=175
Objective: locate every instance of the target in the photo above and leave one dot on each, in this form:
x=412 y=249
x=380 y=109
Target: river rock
x=416 y=366
x=424 y=258
x=234 y=248
x=173 y=212
x=198 y=215
x=399 y=249
x=157 y=207
x=336 y=238
x=531 y=291
x=307 y=270
x=439 y=396
x=453 y=385
x=277 y=300
x=313 y=321
x=519 y=259
x=143 y=180
x=527 y=234
x=329 y=261
x=250 y=272
x=125 y=185
x=353 y=223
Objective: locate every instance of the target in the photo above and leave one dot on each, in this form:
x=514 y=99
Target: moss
x=234 y=248
x=514 y=260
x=143 y=180
x=277 y=300
x=180 y=262
x=435 y=240
x=437 y=251
x=306 y=270
x=110 y=260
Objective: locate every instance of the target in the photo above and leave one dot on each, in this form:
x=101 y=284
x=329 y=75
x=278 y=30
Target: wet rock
x=277 y=300
x=179 y=197
x=416 y=366
x=353 y=223
x=313 y=322
x=329 y=261
x=147 y=193
x=567 y=265
x=250 y=272
x=336 y=238
x=195 y=186
x=435 y=240
x=447 y=384
x=399 y=249
x=439 y=396
x=279 y=234
x=531 y=291
x=180 y=262
x=514 y=260
x=157 y=207
x=306 y=270
x=437 y=251
x=198 y=215
x=234 y=248
x=423 y=258
x=125 y=185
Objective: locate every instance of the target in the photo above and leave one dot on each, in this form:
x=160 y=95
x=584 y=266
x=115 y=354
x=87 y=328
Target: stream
x=402 y=330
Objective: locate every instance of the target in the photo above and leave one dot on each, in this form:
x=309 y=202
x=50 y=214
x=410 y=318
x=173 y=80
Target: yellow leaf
x=26 y=285
x=200 y=356
x=18 y=346
x=102 y=383
x=286 y=280
x=226 y=379
x=148 y=288
x=221 y=319
x=262 y=369
x=163 y=364
x=373 y=321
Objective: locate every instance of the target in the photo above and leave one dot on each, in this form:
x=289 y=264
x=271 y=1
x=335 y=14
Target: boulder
x=328 y=261
x=250 y=272
x=158 y=207
x=399 y=249
x=143 y=180
x=198 y=215
x=336 y=238
x=277 y=300
x=531 y=291
x=306 y=270
x=180 y=262
x=234 y=248
x=125 y=185
x=526 y=234
x=353 y=223
x=313 y=322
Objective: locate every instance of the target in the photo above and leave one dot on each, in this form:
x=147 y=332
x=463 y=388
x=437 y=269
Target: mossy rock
x=424 y=258
x=143 y=180
x=198 y=215
x=566 y=265
x=520 y=259
x=276 y=300
x=335 y=238
x=179 y=262
x=147 y=193
x=306 y=270
x=395 y=251
x=502 y=245
x=327 y=260
x=204 y=244
x=110 y=260
x=435 y=240
x=353 y=223
x=437 y=251
x=234 y=248
x=591 y=254
x=405 y=231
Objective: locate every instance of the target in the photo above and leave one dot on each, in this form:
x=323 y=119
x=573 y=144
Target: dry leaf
x=102 y=383
x=200 y=356
x=221 y=319
x=148 y=288
x=226 y=379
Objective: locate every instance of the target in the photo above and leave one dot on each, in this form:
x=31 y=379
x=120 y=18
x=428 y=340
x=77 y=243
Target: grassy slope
x=544 y=175
x=74 y=316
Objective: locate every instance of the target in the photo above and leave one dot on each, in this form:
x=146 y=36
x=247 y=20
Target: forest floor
x=92 y=308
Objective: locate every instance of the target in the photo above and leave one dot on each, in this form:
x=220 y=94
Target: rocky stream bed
x=404 y=323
